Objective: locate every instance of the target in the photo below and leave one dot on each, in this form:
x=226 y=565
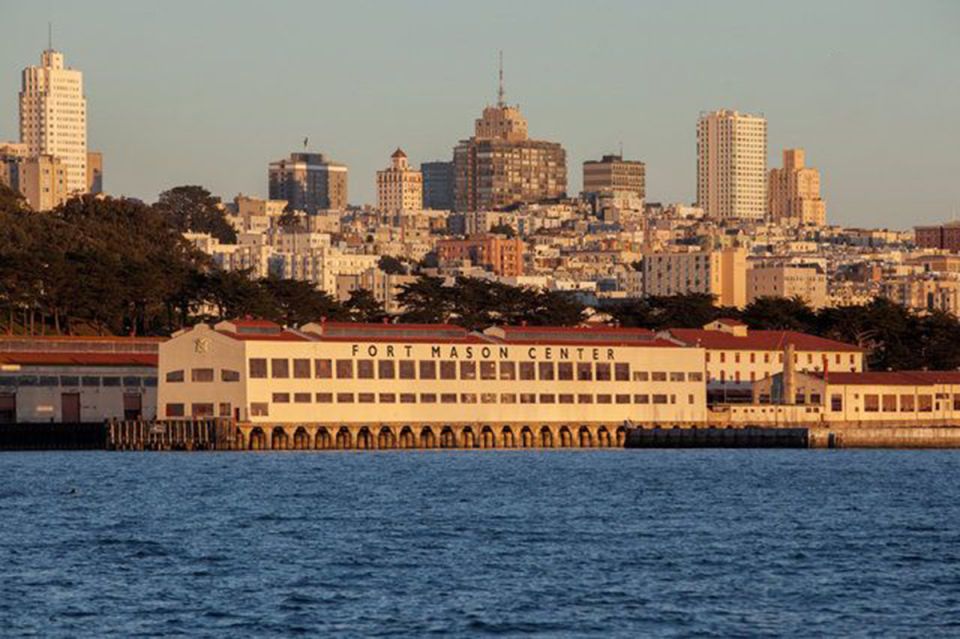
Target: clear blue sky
x=208 y=92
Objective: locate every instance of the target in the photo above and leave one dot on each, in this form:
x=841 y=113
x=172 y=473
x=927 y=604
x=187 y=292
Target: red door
x=70 y=408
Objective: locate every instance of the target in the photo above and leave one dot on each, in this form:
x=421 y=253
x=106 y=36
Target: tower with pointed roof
x=399 y=187
x=501 y=166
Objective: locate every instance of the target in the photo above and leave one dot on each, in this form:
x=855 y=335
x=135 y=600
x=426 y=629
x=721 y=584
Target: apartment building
x=732 y=165
x=805 y=281
x=309 y=182
x=53 y=117
x=794 y=192
x=500 y=255
x=399 y=188
x=721 y=273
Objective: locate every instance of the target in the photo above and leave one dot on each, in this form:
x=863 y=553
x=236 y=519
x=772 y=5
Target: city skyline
x=211 y=124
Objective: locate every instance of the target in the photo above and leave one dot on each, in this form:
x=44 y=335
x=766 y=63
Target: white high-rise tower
x=732 y=165
x=53 y=116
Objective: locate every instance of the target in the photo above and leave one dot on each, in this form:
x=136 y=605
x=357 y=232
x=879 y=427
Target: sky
x=209 y=92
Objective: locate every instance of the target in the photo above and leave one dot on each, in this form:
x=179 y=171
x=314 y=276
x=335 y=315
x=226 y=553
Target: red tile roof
x=894 y=378
x=281 y=336
x=79 y=359
x=759 y=340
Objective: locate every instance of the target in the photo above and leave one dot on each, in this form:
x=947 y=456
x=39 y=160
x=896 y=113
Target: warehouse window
x=172 y=377
x=488 y=370
x=344 y=369
x=408 y=369
x=527 y=371
x=565 y=371
x=281 y=398
x=201 y=375
x=323 y=368
x=279 y=368
x=508 y=370
x=584 y=372
x=258 y=368
x=227 y=375
x=364 y=369
x=428 y=369
x=621 y=372
x=448 y=370
x=301 y=368
x=386 y=369
x=259 y=409
x=174 y=410
x=468 y=370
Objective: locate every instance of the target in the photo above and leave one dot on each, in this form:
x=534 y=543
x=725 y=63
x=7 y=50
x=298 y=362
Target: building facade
x=309 y=182
x=501 y=166
x=806 y=281
x=736 y=356
x=501 y=255
x=794 y=192
x=721 y=273
x=438 y=181
x=77 y=379
x=612 y=174
x=732 y=165
x=53 y=116
x=329 y=375
x=399 y=188
x=44 y=182
x=942 y=236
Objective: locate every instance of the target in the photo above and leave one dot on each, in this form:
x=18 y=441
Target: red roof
x=254 y=323
x=360 y=326
x=760 y=340
x=282 y=336
x=79 y=359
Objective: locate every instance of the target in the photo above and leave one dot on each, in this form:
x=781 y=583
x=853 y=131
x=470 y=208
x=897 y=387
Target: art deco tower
x=53 y=116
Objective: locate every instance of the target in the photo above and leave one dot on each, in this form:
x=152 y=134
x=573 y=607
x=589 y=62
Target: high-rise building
x=732 y=165
x=399 y=188
x=438 y=180
x=613 y=174
x=309 y=182
x=53 y=116
x=500 y=166
x=94 y=172
x=795 y=192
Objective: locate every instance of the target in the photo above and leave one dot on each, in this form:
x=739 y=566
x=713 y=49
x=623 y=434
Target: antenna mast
x=500 y=90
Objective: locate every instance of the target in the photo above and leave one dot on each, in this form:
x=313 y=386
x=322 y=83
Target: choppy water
x=582 y=543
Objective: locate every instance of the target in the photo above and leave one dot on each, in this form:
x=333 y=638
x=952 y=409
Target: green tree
x=193 y=208
x=503 y=229
x=780 y=313
x=364 y=307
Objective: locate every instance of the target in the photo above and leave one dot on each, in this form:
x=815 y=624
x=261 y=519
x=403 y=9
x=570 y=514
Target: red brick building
x=501 y=255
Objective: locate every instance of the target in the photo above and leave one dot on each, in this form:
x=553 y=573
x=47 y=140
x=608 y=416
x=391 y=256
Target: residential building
x=500 y=255
x=255 y=215
x=794 y=192
x=942 y=236
x=309 y=182
x=612 y=174
x=805 y=281
x=399 y=188
x=721 y=273
x=732 y=165
x=438 y=181
x=94 y=172
x=501 y=166
x=44 y=182
x=53 y=116
x=12 y=155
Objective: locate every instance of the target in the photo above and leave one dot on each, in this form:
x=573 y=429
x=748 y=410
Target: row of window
x=448 y=369
x=766 y=358
x=93 y=381
x=476 y=398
